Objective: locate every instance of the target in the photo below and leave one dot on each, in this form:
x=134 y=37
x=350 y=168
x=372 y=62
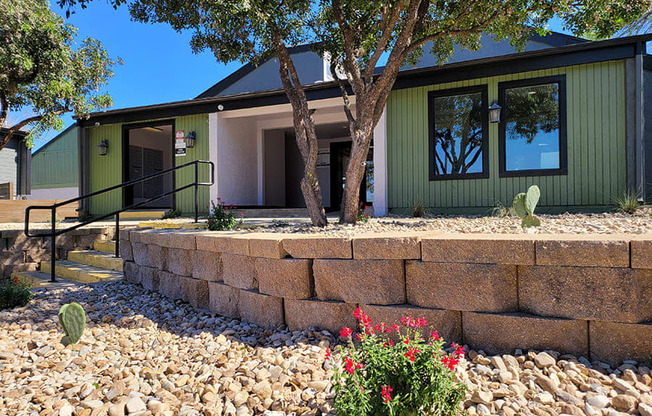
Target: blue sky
x=159 y=65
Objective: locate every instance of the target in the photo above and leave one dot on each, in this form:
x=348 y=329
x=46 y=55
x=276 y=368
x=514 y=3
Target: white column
x=380 y=166
x=260 y=153
x=214 y=127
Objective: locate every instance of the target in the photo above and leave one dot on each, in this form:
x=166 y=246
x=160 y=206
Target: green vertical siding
x=107 y=170
x=56 y=165
x=596 y=145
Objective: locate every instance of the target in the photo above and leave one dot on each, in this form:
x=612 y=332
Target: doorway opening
x=148 y=148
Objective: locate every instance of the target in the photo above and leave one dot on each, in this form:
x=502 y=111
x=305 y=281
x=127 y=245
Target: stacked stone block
x=586 y=295
x=19 y=253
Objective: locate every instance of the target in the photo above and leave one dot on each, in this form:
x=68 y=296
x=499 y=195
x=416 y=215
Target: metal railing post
x=53 y=245
x=196 y=191
x=117 y=235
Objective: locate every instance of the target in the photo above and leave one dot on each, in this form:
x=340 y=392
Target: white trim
x=381 y=195
x=213 y=136
x=284 y=108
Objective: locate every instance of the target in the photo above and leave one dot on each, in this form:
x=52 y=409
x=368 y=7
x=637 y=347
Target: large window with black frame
x=532 y=138
x=458 y=128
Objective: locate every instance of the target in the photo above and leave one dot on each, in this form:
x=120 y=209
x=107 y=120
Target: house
x=575 y=119
x=15 y=161
x=55 y=171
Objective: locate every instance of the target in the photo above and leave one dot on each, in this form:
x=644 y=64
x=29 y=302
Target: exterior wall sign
x=180 y=143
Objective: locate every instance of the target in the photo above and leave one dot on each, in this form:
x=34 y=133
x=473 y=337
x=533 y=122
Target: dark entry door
x=340 y=154
x=148 y=149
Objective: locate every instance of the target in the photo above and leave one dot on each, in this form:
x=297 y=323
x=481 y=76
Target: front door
x=340 y=154
x=148 y=149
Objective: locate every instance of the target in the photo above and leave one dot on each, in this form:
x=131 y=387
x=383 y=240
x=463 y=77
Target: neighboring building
x=575 y=120
x=55 y=167
x=15 y=160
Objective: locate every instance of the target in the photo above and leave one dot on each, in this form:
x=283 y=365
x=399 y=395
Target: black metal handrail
x=54 y=232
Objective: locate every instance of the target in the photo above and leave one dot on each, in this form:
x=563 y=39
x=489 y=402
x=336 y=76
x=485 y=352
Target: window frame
x=432 y=95
x=560 y=80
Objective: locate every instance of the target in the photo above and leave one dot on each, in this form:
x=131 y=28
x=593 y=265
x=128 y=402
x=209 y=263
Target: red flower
x=406 y=340
x=346 y=332
x=435 y=335
x=385 y=393
x=349 y=365
x=395 y=327
x=328 y=353
x=411 y=352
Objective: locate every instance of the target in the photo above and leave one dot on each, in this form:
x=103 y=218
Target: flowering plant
x=14 y=293
x=412 y=376
x=362 y=213
x=222 y=217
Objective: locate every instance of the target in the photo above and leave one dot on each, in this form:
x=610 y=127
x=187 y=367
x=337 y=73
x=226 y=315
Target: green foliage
x=222 y=217
x=362 y=213
x=73 y=320
x=45 y=70
x=14 y=293
x=174 y=213
x=629 y=202
x=524 y=205
x=396 y=371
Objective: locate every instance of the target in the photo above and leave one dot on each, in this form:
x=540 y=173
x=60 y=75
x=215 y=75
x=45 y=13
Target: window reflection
x=458 y=134
x=532 y=127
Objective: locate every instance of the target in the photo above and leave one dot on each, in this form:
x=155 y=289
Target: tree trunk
x=354 y=176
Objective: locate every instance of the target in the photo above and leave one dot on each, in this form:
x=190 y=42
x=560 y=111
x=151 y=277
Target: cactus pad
x=73 y=320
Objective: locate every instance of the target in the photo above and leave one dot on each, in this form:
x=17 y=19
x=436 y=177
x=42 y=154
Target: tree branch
x=345 y=95
x=350 y=57
x=388 y=29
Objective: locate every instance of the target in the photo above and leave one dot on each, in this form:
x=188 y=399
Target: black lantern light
x=494 y=112
x=104 y=147
x=190 y=140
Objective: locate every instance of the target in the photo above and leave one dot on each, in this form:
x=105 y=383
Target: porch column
x=214 y=128
x=380 y=166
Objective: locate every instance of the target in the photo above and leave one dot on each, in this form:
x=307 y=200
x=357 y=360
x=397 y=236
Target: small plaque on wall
x=180 y=143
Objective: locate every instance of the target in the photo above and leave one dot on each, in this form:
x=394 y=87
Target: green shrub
x=14 y=293
x=629 y=202
x=419 y=208
x=524 y=205
x=174 y=213
x=222 y=217
x=413 y=376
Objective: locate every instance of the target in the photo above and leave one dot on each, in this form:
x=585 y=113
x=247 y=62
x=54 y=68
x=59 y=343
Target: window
x=533 y=127
x=458 y=126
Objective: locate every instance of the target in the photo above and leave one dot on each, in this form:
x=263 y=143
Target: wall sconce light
x=190 y=140
x=494 y=112
x=104 y=147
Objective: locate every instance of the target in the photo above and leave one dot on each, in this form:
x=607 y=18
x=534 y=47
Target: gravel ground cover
x=143 y=354
x=603 y=223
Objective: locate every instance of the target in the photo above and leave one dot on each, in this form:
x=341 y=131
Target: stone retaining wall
x=19 y=253
x=585 y=295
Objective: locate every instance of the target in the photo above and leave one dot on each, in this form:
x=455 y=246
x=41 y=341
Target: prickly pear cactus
x=73 y=320
x=524 y=205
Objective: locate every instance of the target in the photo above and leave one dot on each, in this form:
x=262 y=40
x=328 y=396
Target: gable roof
x=573 y=54
x=550 y=40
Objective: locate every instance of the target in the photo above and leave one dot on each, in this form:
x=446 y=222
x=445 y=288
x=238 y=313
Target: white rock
x=598 y=401
x=135 y=404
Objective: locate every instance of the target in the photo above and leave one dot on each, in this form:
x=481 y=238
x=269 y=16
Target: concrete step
x=104 y=246
x=81 y=272
x=39 y=279
x=96 y=258
x=146 y=214
x=190 y=224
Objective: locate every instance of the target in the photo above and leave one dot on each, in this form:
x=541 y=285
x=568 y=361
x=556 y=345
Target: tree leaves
x=43 y=69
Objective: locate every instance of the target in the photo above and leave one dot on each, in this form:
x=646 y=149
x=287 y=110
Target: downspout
x=640 y=145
